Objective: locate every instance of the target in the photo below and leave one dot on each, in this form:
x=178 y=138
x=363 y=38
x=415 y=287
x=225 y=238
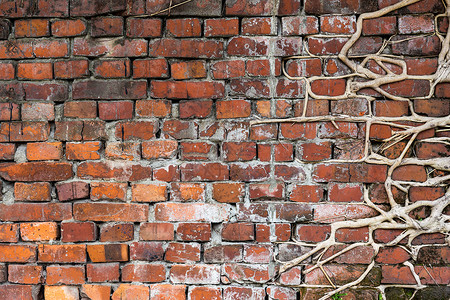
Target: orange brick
x=61 y=28
x=159 y=149
x=228 y=192
x=149 y=192
x=65 y=275
x=61 y=292
x=129 y=291
x=6 y=71
x=83 y=151
x=94 y=291
x=35 y=71
x=44 y=151
x=108 y=191
x=161 y=292
x=44 y=231
x=31 y=28
x=9 y=233
x=37 y=191
x=62 y=253
x=17 y=253
x=108 y=252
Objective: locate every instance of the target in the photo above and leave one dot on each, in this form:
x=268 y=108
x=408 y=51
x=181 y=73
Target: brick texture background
x=129 y=168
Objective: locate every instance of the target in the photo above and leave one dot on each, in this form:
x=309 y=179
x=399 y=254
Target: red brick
x=204 y=172
x=338 y=24
x=246 y=273
x=69 y=69
x=123 y=150
x=260 y=67
x=315 y=151
x=132 y=130
x=419 y=46
x=62 y=253
x=131 y=291
x=417 y=193
x=36 y=171
x=159 y=149
x=24 y=50
x=156 y=232
x=38 y=191
x=194 y=232
x=183 y=27
x=197 y=151
x=83 y=151
x=153 y=108
x=242 y=151
x=35 y=212
x=345 y=193
x=188 y=192
x=392 y=255
x=116 y=212
x=78 y=232
x=259 y=26
x=195 y=274
x=263 y=132
x=290 y=88
x=117 y=232
x=313 y=233
x=237 y=292
x=183 y=253
x=233 y=109
x=148 y=251
x=442 y=90
x=34 y=71
x=108 y=48
x=107 y=170
x=342 y=274
x=228 y=69
x=421 y=66
x=185 y=48
x=80 y=109
x=221 y=27
x=7 y=151
x=200 y=293
x=72 y=190
x=9 y=112
x=187 y=89
x=9 y=233
x=298 y=130
x=188 y=69
x=381 y=25
x=63 y=28
x=143 y=28
x=270 y=191
x=397 y=275
x=349 y=235
x=144 y=273
x=150 y=68
x=65 y=275
x=228 y=192
x=44 y=231
x=17 y=253
x=410 y=173
x=195 y=109
x=106 y=26
x=191 y=212
x=112 y=68
x=15 y=291
x=109 y=90
x=257 y=253
x=25 y=274
x=226 y=253
x=31 y=28
x=248 y=46
x=244 y=8
x=161 y=291
x=108 y=252
x=108 y=191
x=115 y=110
x=238 y=232
x=306 y=193
x=322 y=46
x=349 y=7
x=249 y=172
x=100 y=292
x=50 y=48
x=179 y=129
x=80 y=130
x=149 y=192
x=300 y=25
x=105 y=272
x=412 y=24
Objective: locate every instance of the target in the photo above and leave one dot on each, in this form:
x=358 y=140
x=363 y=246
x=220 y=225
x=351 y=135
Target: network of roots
x=412 y=218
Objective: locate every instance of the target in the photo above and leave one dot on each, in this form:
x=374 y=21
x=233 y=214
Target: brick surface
x=147 y=148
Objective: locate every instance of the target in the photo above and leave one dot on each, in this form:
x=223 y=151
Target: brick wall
x=129 y=167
